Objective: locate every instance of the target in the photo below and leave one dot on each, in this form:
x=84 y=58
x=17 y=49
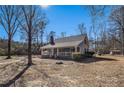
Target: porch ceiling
x=64 y=44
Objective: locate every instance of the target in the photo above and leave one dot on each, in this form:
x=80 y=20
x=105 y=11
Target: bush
x=19 y=51
x=79 y=57
x=89 y=54
x=2 y=52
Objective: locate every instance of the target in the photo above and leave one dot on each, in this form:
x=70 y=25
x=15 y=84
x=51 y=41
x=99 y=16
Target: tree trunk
x=29 y=49
x=9 y=48
x=123 y=41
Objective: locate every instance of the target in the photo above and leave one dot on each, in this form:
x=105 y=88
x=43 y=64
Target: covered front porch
x=61 y=52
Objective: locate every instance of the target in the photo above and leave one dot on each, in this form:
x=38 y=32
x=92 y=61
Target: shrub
x=2 y=52
x=89 y=54
x=19 y=51
x=79 y=57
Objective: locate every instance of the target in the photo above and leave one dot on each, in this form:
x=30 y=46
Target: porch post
x=41 y=52
x=75 y=48
x=57 y=52
x=52 y=51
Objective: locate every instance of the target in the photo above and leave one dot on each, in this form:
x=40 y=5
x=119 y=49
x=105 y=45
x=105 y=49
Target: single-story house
x=65 y=47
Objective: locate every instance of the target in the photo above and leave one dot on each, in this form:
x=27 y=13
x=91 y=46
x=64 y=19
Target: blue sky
x=63 y=18
x=66 y=18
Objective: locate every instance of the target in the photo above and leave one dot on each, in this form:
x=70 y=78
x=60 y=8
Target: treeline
x=18 y=48
x=106 y=29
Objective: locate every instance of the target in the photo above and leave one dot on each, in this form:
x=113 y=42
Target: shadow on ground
x=90 y=60
x=13 y=80
x=97 y=59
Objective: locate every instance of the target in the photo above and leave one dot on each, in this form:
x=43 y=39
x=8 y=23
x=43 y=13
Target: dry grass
x=100 y=71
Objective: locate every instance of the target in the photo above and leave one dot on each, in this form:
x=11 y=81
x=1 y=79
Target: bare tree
x=63 y=34
x=117 y=24
x=82 y=28
x=95 y=12
x=38 y=36
x=31 y=20
x=8 y=19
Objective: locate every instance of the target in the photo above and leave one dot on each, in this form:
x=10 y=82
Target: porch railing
x=65 y=54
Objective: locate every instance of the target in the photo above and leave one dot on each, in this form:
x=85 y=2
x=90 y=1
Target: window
x=85 y=50
x=78 y=49
x=72 y=49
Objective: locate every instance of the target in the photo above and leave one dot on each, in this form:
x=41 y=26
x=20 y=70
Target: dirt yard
x=104 y=71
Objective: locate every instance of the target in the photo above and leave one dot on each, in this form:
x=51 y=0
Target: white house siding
x=81 y=48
